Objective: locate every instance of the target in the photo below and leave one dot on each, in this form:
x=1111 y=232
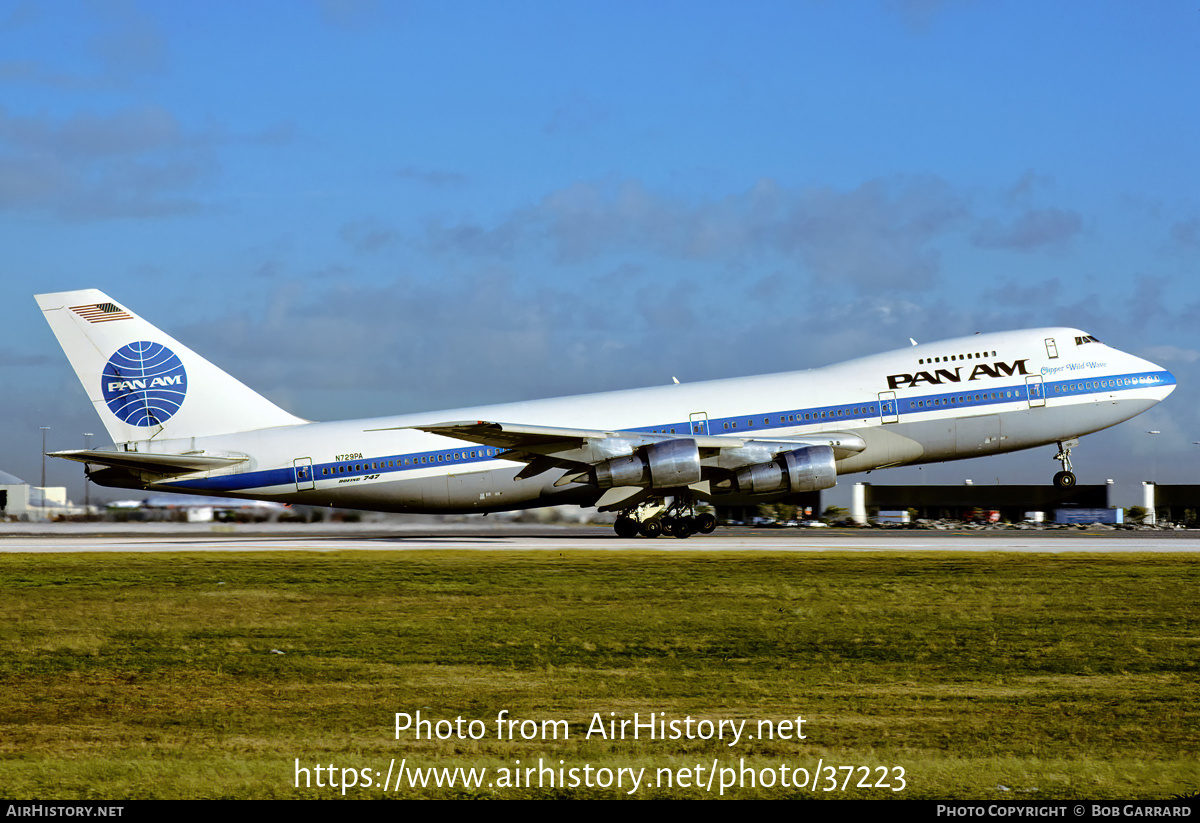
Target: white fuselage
x=967 y=397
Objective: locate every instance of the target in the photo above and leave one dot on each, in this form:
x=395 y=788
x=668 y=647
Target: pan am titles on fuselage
x=178 y=423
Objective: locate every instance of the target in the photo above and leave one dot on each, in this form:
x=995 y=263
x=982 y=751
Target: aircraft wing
x=628 y=464
x=510 y=436
x=549 y=440
x=160 y=464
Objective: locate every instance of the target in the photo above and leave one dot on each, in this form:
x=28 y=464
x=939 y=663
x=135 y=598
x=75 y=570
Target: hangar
x=1013 y=503
x=1179 y=503
x=21 y=501
x=963 y=502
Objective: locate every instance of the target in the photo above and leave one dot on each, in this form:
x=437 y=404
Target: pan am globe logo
x=144 y=383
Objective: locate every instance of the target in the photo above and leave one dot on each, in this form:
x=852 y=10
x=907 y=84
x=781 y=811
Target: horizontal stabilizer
x=163 y=464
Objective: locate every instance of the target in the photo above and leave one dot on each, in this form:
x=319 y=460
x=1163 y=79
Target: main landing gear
x=1065 y=479
x=657 y=517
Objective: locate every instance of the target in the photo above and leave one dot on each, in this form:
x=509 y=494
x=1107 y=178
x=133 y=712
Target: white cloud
x=1032 y=230
x=882 y=233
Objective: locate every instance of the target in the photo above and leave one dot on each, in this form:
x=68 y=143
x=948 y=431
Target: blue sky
x=364 y=208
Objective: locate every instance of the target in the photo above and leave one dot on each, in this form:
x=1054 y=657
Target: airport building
x=196 y=509
x=1176 y=504
x=21 y=501
x=1010 y=503
x=1017 y=503
x=995 y=503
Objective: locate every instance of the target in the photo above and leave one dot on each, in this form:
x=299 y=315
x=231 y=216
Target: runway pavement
x=167 y=537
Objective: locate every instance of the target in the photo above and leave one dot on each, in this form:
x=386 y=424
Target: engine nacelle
x=663 y=465
x=804 y=470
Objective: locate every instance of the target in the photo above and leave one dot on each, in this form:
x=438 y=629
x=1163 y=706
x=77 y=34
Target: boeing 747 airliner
x=180 y=424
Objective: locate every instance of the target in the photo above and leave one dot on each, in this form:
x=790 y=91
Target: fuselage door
x=1035 y=391
x=304 y=474
x=889 y=409
x=699 y=422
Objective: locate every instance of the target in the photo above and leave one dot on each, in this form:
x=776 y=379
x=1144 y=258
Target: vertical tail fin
x=145 y=384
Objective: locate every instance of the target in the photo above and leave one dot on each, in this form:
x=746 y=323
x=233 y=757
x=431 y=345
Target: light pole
x=1154 y=478
x=87 y=481
x=1154 y=458
x=43 y=506
x=44 y=430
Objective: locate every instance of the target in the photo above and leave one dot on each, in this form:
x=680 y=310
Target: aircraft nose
x=1158 y=378
x=1170 y=381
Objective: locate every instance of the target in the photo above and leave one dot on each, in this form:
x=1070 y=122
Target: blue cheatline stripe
x=909 y=408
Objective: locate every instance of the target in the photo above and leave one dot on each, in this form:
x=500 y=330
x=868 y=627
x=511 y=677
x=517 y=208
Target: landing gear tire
x=626 y=527
x=1065 y=479
x=681 y=528
x=669 y=516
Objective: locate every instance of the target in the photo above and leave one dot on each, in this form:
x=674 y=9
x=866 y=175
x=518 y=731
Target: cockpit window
x=1087 y=338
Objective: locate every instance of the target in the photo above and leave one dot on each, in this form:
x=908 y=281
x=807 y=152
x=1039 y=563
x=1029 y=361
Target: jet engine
x=663 y=465
x=802 y=470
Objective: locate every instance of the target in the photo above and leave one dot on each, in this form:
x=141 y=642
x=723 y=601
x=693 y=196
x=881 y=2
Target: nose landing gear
x=1065 y=479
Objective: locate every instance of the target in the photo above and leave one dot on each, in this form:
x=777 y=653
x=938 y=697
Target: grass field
x=995 y=676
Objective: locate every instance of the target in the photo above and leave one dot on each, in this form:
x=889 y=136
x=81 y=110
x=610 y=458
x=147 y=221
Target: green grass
x=156 y=675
